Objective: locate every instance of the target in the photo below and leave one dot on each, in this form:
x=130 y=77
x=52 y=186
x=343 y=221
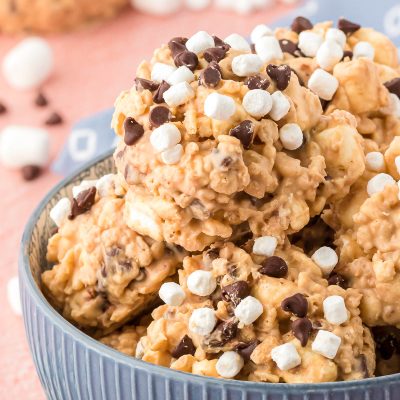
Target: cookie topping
x=223 y=333
x=161 y=72
x=177 y=45
x=387 y=340
x=229 y=364
x=257 y=103
x=275 y=267
x=215 y=54
x=54 y=119
x=393 y=86
x=301 y=24
x=178 y=94
x=347 y=26
x=259 y=31
x=335 y=310
x=218 y=42
x=219 y=106
x=286 y=356
x=159 y=115
x=309 y=43
x=202 y=321
x=301 y=329
x=159 y=93
x=60 y=211
x=246 y=64
x=199 y=42
x=265 y=246
x=30 y=172
x=280 y=74
x=296 y=304
x=188 y=59
x=329 y=54
x=182 y=74
x=246 y=349
x=133 y=131
x=290 y=47
x=184 y=347
x=165 y=137
x=268 y=49
x=378 y=183
x=280 y=106
x=236 y=292
x=337 y=35
x=201 y=283
x=41 y=100
x=244 y=132
x=291 y=136
x=146 y=84
x=257 y=82
x=326 y=258
x=326 y=343
x=211 y=76
x=237 y=42
x=337 y=279
x=363 y=50
x=249 y=310
x=172 y=294
x=83 y=202
x=323 y=84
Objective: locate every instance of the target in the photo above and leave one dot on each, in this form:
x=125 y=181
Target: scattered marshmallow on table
x=248 y=310
x=259 y=31
x=280 y=106
x=59 y=213
x=182 y=74
x=378 y=183
x=202 y=321
x=13 y=295
x=329 y=54
x=165 y=137
x=84 y=185
x=246 y=65
x=375 y=161
x=28 y=64
x=162 y=72
x=323 y=84
x=337 y=35
x=229 y=364
x=286 y=356
x=309 y=43
x=157 y=7
x=199 y=42
x=326 y=343
x=335 y=310
x=291 y=136
x=179 y=94
x=201 y=283
x=219 y=106
x=237 y=42
x=265 y=246
x=363 y=50
x=173 y=155
x=326 y=258
x=257 y=103
x=268 y=48
x=172 y=294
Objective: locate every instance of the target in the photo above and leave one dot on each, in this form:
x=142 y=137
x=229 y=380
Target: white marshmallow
x=329 y=54
x=108 y=184
x=375 y=161
x=363 y=50
x=202 y=321
x=201 y=283
x=178 y=94
x=143 y=219
x=337 y=35
x=157 y=7
x=323 y=84
x=182 y=74
x=237 y=42
x=394 y=105
x=162 y=72
x=23 y=145
x=84 y=185
x=286 y=356
x=229 y=364
x=199 y=42
x=197 y=5
x=248 y=310
x=309 y=43
x=326 y=258
x=165 y=137
x=326 y=343
x=335 y=310
x=246 y=64
x=259 y=31
x=173 y=155
x=257 y=103
x=28 y=64
x=268 y=48
x=59 y=213
x=280 y=106
x=219 y=106
x=172 y=294
x=291 y=136
x=265 y=246
x=378 y=183
x=13 y=295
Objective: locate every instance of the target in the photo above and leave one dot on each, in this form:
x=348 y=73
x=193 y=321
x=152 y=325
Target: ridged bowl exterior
x=73 y=366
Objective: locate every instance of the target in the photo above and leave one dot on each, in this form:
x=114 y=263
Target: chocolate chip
x=280 y=74
x=246 y=349
x=235 y=292
x=215 y=54
x=177 y=45
x=184 y=347
x=226 y=162
x=290 y=47
x=301 y=329
x=145 y=84
x=336 y=279
x=324 y=104
x=257 y=82
x=393 y=86
x=3 y=108
x=133 y=131
x=54 y=119
x=211 y=76
x=158 y=96
x=159 y=115
x=387 y=339
x=244 y=132
x=41 y=100
x=223 y=333
x=296 y=304
x=187 y=58
x=347 y=26
x=83 y=202
x=30 y=172
x=347 y=53
x=220 y=43
x=253 y=48
x=274 y=266
x=301 y=24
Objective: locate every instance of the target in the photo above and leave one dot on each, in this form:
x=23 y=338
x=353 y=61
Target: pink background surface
x=92 y=67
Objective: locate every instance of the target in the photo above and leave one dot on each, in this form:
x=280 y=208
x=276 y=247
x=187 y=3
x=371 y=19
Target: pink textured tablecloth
x=92 y=67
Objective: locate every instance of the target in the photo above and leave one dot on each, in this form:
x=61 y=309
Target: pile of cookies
x=253 y=228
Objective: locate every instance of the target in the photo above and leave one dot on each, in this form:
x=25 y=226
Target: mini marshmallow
x=197 y=5
x=172 y=155
x=326 y=343
x=286 y=356
x=237 y=42
x=363 y=50
x=178 y=94
x=59 y=213
x=337 y=35
x=326 y=258
x=335 y=310
x=265 y=246
x=259 y=31
x=23 y=145
x=329 y=54
x=165 y=137
x=246 y=64
x=291 y=136
x=201 y=283
x=107 y=185
x=13 y=295
x=229 y=364
x=84 y=185
x=309 y=43
x=378 y=183
x=323 y=84
x=219 y=106
x=199 y=42
x=182 y=74
x=268 y=48
x=157 y=7
x=202 y=321
x=162 y=72
x=375 y=161
x=248 y=310
x=280 y=106
x=143 y=220
x=28 y=64
x=257 y=103
x=172 y=294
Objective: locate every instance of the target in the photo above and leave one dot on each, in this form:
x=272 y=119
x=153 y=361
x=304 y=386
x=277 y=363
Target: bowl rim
x=30 y=285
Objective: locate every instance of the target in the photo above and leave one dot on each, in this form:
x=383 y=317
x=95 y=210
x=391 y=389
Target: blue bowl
x=73 y=366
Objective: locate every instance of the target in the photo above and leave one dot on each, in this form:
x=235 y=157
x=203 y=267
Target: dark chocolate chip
x=187 y=58
x=30 y=172
x=296 y=304
x=145 y=84
x=387 y=339
x=257 y=82
x=133 y=131
x=347 y=26
x=220 y=43
x=83 y=202
x=393 y=86
x=301 y=24
x=54 y=119
x=3 y=108
x=226 y=162
x=337 y=279
x=244 y=132
x=215 y=54
x=302 y=329
x=246 y=349
x=213 y=254
x=177 y=45
x=347 y=53
x=184 y=347
x=253 y=48
x=211 y=76
x=324 y=104
x=158 y=96
x=280 y=74
x=274 y=266
x=223 y=333
x=236 y=292
x=290 y=47
x=41 y=100
x=159 y=115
